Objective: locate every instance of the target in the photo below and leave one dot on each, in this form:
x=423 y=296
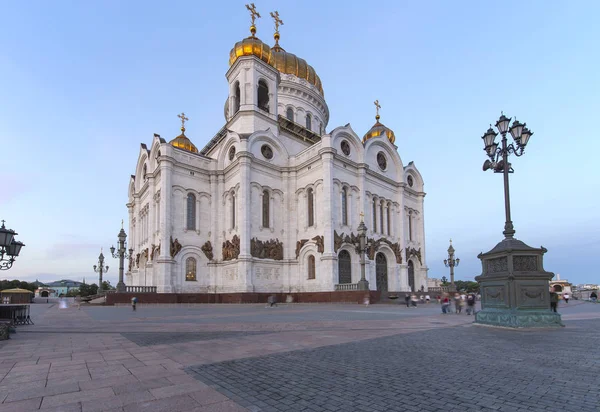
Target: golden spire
x=253 y=15
x=278 y=22
x=377 y=107
x=183 y=120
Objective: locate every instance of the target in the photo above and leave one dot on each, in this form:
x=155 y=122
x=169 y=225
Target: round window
x=381 y=161
x=232 y=153
x=345 y=147
x=410 y=181
x=266 y=151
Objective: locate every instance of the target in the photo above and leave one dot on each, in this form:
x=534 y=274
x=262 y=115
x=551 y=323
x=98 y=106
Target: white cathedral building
x=273 y=201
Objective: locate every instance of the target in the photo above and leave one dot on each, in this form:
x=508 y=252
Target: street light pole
x=122 y=255
x=100 y=269
x=363 y=283
x=9 y=247
x=451 y=262
x=521 y=136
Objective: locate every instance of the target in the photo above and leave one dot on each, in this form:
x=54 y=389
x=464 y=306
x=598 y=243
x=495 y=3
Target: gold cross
x=278 y=21
x=183 y=120
x=377 y=107
x=253 y=13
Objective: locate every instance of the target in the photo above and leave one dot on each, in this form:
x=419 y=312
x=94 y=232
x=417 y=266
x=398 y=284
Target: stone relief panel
x=319 y=240
x=411 y=251
x=494 y=295
x=497 y=265
x=208 y=250
x=175 y=247
x=533 y=296
x=231 y=249
x=525 y=263
x=269 y=249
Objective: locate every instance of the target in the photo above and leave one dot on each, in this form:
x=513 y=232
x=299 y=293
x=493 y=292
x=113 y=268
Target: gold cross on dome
x=277 y=20
x=183 y=120
x=377 y=107
x=253 y=13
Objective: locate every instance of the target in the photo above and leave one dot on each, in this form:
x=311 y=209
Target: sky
x=82 y=84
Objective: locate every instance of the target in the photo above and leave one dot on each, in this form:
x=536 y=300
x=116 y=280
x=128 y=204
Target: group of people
x=458 y=301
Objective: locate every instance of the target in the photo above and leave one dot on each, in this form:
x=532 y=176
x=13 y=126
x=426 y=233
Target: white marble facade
x=291 y=193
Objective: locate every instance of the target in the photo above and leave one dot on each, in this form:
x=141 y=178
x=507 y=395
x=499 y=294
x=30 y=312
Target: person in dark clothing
x=553 y=300
x=471 y=304
x=407 y=300
x=594 y=296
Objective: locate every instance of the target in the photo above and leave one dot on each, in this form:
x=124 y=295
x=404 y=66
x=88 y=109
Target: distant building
x=561 y=286
x=62 y=287
x=45 y=292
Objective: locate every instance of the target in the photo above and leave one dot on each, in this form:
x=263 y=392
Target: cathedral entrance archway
x=411 y=275
x=381 y=276
x=344 y=267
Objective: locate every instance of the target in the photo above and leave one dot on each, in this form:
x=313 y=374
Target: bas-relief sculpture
x=175 y=247
x=231 y=249
x=411 y=251
x=319 y=240
x=372 y=248
x=208 y=250
x=269 y=249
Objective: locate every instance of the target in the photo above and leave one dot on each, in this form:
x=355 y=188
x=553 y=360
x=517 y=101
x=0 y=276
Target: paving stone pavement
x=235 y=358
x=468 y=368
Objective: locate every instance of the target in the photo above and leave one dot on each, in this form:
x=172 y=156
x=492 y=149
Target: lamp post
x=122 y=255
x=100 y=269
x=451 y=262
x=513 y=284
x=9 y=247
x=498 y=158
x=363 y=283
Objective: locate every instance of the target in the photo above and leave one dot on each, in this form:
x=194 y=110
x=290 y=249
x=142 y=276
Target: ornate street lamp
x=513 y=284
x=9 y=247
x=363 y=283
x=122 y=255
x=100 y=269
x=451 y=262
x=498 y=161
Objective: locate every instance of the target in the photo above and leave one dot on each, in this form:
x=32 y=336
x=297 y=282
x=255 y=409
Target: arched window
x=344 y=206
x=190 y=269
x=409 y=225
x=311 y=267
x=389 y=220
x=265 y=209
x=263 y=95
x=381 y=217
x=236 y=98
x=374 y=215
x=308 y=122
x=191 y=212
x=344 y=267
x=289 y=114
x=232 y=211
x=311 y=210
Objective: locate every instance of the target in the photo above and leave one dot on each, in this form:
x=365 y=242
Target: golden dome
x=289 y=63
x=379 y=129
x=251 y=46
x=182 y=142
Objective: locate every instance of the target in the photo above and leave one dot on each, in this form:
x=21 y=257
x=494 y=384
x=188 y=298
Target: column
x=244 y=206
x=166 y=199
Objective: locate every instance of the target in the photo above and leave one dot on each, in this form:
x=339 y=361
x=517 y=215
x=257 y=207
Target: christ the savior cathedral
x=273 y=201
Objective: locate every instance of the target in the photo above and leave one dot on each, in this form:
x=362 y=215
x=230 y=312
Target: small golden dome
x=182 y=142
x=251 y=46
x=379 y=129
x=289 y=63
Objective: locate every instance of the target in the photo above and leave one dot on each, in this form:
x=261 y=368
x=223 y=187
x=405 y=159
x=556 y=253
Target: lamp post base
x=121 y=287
x=363 y=284
x=514 y=287
x=518 y=318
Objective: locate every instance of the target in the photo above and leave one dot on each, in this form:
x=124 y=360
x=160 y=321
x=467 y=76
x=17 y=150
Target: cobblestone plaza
x=296 y=358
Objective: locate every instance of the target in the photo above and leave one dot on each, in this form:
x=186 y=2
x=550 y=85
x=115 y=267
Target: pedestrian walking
x=413 y=300
x=427 y=298
x=445 y=303
x=471 y=304
x=594 y=296
x=133 y=303
x=407 y=300
x=457 y=304
x=553 y=300
x=566 y=297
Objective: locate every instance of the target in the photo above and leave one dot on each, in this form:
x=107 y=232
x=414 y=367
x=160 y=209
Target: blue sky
x=82 y=84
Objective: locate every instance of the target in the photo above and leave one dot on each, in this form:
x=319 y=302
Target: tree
x=467 y=286
x=106 y=285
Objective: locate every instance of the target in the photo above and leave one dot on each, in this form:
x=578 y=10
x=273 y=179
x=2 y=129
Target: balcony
x=140 y=289
x=346 y=286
